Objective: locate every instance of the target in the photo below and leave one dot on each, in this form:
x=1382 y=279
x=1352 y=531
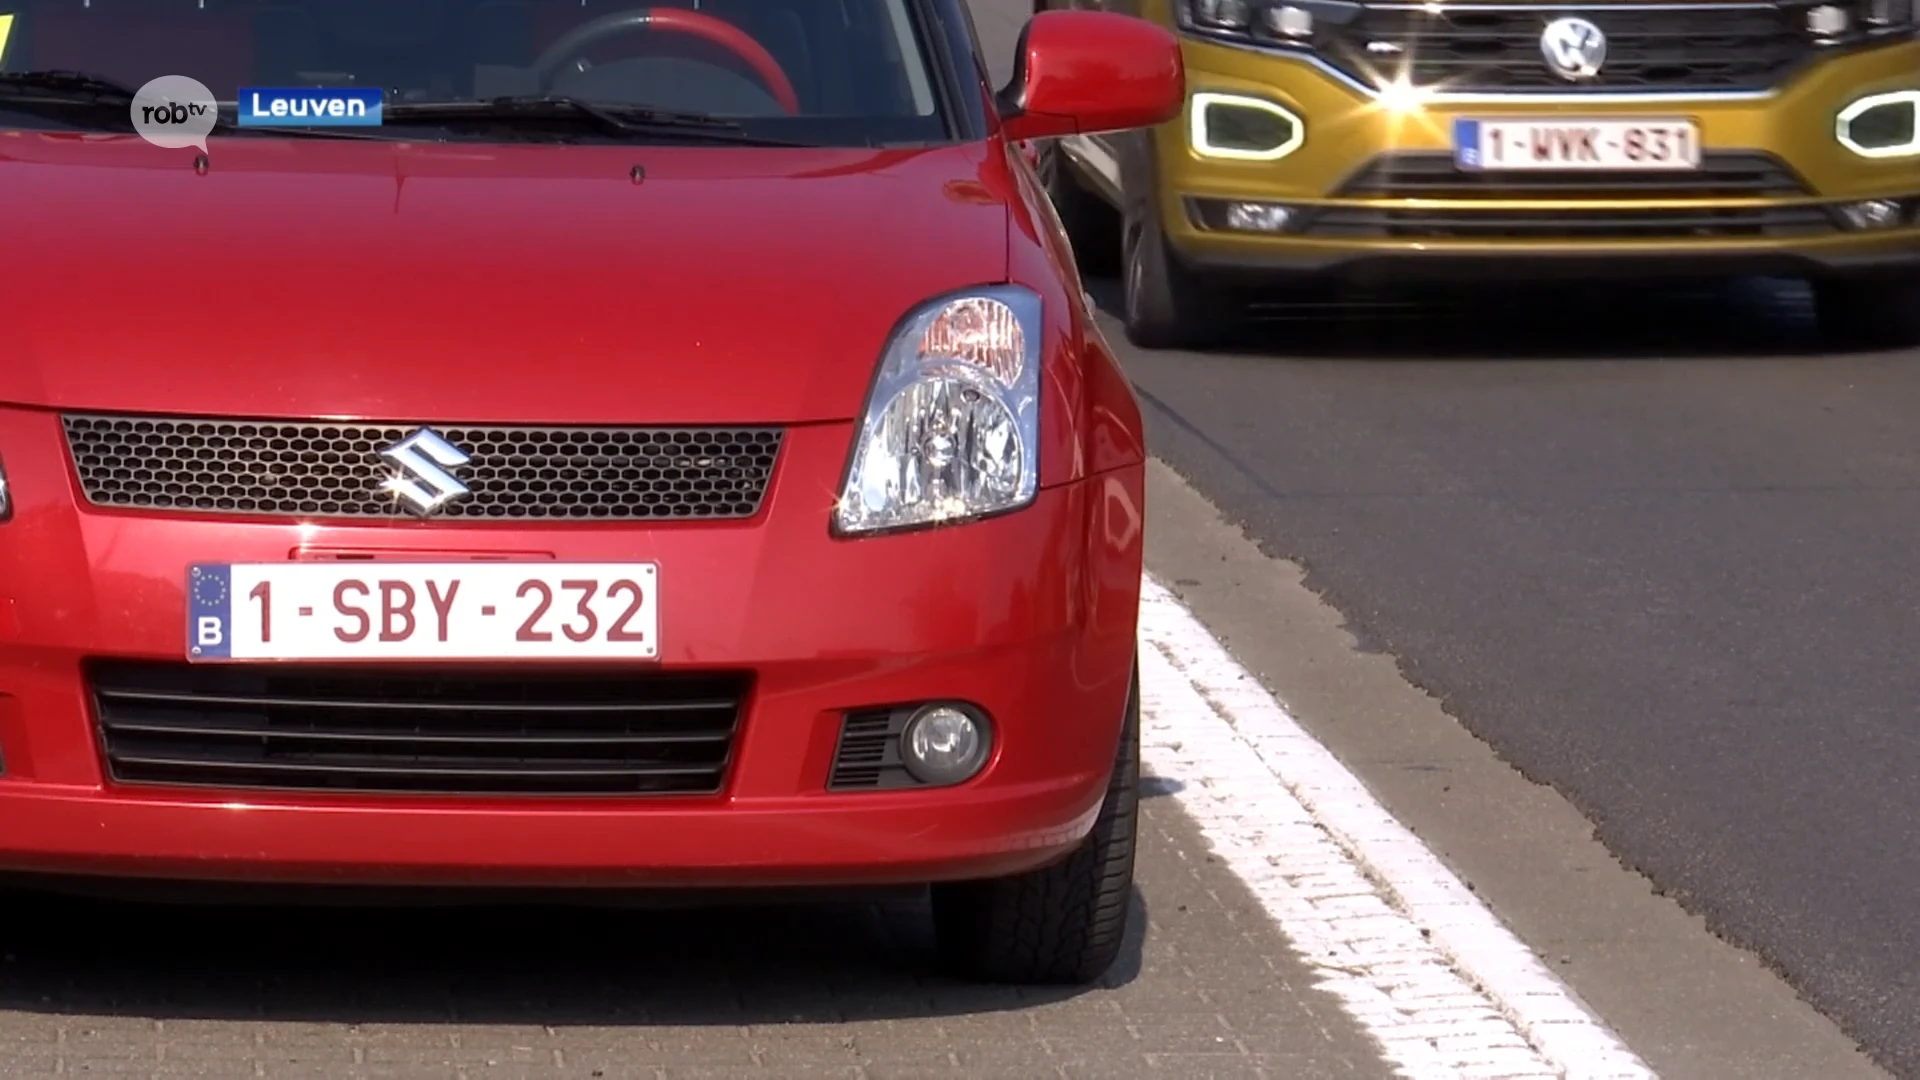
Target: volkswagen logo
x=1574 y=48
x=421 y=471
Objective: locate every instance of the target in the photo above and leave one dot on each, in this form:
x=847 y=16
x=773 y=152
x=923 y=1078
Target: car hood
x=377 y=280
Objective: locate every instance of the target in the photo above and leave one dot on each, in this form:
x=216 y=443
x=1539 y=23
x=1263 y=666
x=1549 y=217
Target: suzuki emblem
x=421 y=462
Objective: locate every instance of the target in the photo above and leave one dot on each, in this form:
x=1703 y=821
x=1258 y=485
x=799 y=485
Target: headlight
x=1265 y=22
x=952 y=424
x=1852 y=22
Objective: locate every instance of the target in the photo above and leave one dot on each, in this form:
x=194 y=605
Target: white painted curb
x=1416 y=958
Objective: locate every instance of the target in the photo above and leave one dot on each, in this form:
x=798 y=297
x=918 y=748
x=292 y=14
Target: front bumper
x=1524 y=232
x=1030 y=615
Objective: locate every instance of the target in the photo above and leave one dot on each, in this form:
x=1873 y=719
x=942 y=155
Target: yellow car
x=1341 y=139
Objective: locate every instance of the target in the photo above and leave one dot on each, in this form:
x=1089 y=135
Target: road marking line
x=1424 y=967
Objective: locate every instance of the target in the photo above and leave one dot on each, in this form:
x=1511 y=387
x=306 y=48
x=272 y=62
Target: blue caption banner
x=316 y=106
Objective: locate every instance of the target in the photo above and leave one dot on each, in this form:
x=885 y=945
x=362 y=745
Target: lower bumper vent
x=1368 y=222
x=868 y=757
x=416 y=731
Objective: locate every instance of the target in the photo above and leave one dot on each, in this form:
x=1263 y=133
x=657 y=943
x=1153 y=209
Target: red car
x=669 y=449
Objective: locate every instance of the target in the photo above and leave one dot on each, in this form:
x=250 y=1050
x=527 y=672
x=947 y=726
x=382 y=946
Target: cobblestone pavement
x=1207 y=988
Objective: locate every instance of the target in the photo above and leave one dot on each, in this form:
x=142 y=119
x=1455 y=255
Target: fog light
x=944 y=744
x=1881 y=125
x=1243 y=128
x=1874 y=214
x=1227 y=215
x=1258 y=217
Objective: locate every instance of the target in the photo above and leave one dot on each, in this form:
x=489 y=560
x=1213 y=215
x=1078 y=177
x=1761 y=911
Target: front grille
x=1648 y=224
x=1469 y=48
x=345 y=730
x=1433 y=176
x=335 y=470
x=1722 y=174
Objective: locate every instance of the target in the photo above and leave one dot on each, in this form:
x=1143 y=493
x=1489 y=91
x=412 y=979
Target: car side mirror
x=1082 y=72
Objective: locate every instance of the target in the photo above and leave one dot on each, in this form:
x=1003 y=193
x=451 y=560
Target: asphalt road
x=1654 y=548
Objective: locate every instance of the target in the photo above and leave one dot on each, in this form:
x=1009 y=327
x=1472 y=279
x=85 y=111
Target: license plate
x=1574 y=144
x=423 y=611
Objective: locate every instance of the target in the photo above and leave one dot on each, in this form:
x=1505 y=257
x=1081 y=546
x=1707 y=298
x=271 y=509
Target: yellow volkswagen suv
x=1331 y=139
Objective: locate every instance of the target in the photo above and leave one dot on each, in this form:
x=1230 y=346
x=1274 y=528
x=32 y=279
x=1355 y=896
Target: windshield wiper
x=631 y=120
x=104 y=103
x=64 y=86
x=96 y=93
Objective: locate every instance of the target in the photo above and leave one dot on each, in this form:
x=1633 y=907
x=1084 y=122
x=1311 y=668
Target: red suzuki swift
x=657 y=447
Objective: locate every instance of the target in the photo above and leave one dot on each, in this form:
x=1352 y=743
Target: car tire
x=1868 y=313
x=1165 y=303
x=1092 y=226
x=1064 y=923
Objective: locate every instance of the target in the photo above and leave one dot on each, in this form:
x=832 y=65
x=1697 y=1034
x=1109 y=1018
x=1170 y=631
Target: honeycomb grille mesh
x=335 y=470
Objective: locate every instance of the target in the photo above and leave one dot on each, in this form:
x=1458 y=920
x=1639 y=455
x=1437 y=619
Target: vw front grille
x=1651 y=47
x=1428 y=175
x=1387 y=180
x=1664 y=223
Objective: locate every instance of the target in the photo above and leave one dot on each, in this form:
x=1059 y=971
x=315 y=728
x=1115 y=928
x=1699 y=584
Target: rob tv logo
x=176 y=113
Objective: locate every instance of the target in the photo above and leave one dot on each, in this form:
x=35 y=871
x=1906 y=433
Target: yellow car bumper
x=1372 y=182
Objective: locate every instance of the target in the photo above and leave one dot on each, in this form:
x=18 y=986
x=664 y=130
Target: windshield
x=821 y=72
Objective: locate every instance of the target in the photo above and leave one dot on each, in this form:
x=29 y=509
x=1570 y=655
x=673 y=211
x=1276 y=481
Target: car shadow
x=1621 y=321
x=784 y=963
x=1154 y=787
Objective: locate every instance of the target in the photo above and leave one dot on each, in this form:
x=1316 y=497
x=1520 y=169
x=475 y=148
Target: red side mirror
x=1080 y=72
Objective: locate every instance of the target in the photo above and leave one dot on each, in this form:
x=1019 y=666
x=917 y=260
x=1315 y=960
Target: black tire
x=1063 y=923
x=1092 y=226
x=1868 y=313
x=1166 y=305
